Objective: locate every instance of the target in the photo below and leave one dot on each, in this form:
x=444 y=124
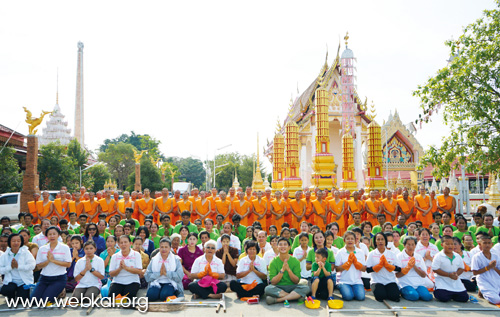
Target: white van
x=182 y=187
x=10 y=204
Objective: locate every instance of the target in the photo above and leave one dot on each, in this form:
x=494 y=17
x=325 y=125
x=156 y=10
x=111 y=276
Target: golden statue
x=155 y=163
x=138 y=157
x=163 y=168
x=34 y=122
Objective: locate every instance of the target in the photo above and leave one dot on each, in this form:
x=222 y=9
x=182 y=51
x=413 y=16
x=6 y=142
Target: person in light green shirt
x=463 y=230
x=185 y=221
x=488 y=227
x=304 y=227
x=128 y=216
x=321 y=270
x=357 y=221
x=239 y=230
x=381 y=218
x=284 y=275
x=447 y=231
x=165 y=223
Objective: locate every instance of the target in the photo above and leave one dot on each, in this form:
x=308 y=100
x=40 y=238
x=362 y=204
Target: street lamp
x=225 y=146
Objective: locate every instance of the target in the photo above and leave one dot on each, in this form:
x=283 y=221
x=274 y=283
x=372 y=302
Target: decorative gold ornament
x=34 y=122
x=138 y=156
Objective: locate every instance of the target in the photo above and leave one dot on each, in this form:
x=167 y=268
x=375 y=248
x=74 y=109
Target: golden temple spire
x=346 y=38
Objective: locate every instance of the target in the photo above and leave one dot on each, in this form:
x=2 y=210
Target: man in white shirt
x=486 y=267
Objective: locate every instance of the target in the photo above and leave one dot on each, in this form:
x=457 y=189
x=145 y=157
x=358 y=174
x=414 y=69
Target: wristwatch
x=281 y=271
x=92 y=270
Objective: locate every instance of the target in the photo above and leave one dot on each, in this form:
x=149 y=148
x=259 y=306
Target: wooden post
x=137 y=185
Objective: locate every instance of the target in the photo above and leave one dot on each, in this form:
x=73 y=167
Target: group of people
x=253 y=243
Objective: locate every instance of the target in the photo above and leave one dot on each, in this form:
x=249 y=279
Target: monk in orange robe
x=406 y=208
x=354 y=205
x=259 y=211
x=347 y=197
x=288 y=213
x=309 y=217
x=267 y=199
x=60 y=206
x=107 y=205
x=76 y=205
x=123 y=204
x=389 y=206
x=83 y=190
x=336 y=214
x=278 y=210
x=398 y=194
x=423 y=204
x=432 y=195
x=213 y=197
x=136 y=213
x=175 y=215
x=248 y=195
x=372 y=208
x=146 y=207
x=320 y=211
x=223 y=206
x=195 y=195
x=164 y=205
x=202 y=207
x=32 y=207
x=298 y=209
x=44 y=207
x=185 y=204
x=242 y=208
x=447 y=203
x=90 y=207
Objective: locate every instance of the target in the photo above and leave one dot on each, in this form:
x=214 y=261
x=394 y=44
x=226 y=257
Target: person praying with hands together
x=207 y=271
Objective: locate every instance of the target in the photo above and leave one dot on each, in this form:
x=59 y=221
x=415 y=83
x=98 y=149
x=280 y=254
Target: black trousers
x=124 y=289
x=470 y=286
x=203 y=292
x=366 y=282
x=389 y=291
x=240 y=292
x=11 y=290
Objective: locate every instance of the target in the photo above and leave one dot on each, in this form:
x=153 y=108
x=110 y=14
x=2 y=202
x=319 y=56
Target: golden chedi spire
x=375 y=158
x=292 y=181
x=348 y=172
x=258 y=183
x=278 y=162
x=323 y=175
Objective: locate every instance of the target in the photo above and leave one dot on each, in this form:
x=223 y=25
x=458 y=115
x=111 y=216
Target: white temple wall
x=336 y=147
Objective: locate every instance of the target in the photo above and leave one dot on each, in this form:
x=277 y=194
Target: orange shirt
x=373 y=206
x=278 y=208
x=122 y=205
x=223 y=208
x=447 y=203
x=337 y=208
x=184 y=206
x=268 y=206
x=309 y=207
x=108 y=207
x=406 y=207
x=288 y=214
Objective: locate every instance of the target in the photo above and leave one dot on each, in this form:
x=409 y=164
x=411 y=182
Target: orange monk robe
x=241 y=209
x=32 y=210
x=184 y=206
x=391 y=207
x=268 y=214
x=298 y=209
x=447 y=203
x=108 y=208
x=122 y=206
x=278 y=208
x=309 y=208
x=354 y=207
x=434 y=206
x=337 y=208
x=249 y=198
x=321 y=208
x=43 y=211
x=193 y=200
x=260 y=209
x=400 y=196
x=406 y=207
x=201 y=207
x=60 y=208
x=424 y=203
x=288 y=215
x=92 y=213
x=175 y=215
x=374 y=207
x=224 y=208
x=76 y=208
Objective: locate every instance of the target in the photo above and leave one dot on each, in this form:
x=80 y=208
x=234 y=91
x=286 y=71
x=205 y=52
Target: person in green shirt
x=128 y=216
x=304 y=227
x=401 y=226
x=446 y=218
x=63 y=224
x=199 y=225
x=338 y=241
x=284 y=275
x=357 y=221
x=319 y=242
x=381 y=218
x=412 y=228
x=153 y=234
x=185 y=221
x=478 y=220
x=28 y=224
x=447 y=231
x=239 y=230
x=322 y=283
x=488 y=227
x=462 y=229
x=165 y=223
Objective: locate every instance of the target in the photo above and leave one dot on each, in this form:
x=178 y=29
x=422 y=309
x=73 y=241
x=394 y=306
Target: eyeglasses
x=211 y=248
x=92 y=229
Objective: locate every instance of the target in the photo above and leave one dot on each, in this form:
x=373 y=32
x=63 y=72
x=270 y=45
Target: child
x=300 y=253
x=36 y=229
x=322 y=283
x=63 y=224
x=64 y=236
x=82 y=220
x=486 y=267
x=111 y=248
x=436 y=217
x=293 y=233
x=219 y=219
x=77 y=252
x=72 y=221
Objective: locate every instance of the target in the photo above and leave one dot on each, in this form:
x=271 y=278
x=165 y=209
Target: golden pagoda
x=348 y=175
x=494 y=193
x=278 y=162
x=375 y=165
x=236 y=184
x=323 y=175
x=292 y=181
x=257 y=183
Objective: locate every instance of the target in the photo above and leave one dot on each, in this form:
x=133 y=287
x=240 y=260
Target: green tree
x=189 y=170
x=468 y=92
x=77 y=153
x=11 y=180
x=96 y=175
x=140 y=142
x=119 y=159
x=56 y=168
x=150 y=176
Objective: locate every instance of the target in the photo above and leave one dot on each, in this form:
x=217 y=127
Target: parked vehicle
x=182 y=187
x=10 y=204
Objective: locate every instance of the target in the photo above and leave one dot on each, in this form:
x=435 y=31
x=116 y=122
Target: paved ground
x=237 y=308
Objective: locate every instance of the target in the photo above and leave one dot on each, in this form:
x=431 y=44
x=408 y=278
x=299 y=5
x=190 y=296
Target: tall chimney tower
x=79 y=114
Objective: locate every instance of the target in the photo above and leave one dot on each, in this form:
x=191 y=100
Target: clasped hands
x=208 y=271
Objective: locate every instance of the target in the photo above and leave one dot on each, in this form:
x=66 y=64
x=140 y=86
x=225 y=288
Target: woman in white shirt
x=234 y=240
x=125 y=267
x=274 y=252
x=16 y=265
x=251 y=273
x=208 y=270
x=382 y=263
x=427 y=251
x=89 y=271
x=164 y=274
x=349 y=263
x=41 y=239
x=466 y=276
x=53 y=258
x=411 y=279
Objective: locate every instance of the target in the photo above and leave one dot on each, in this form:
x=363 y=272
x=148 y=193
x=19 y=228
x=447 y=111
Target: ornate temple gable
x=404 y=149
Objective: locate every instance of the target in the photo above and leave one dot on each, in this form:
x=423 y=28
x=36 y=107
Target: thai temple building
x=56 y=129
x=329 y=138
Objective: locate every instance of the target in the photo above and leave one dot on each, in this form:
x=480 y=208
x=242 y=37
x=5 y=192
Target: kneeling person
x=486 y=267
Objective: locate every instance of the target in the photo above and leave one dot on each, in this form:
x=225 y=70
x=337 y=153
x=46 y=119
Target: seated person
x=89 y=271
x=251 y=273
x=229 y=257
x=447 y=266
x=322 y=282
x=208 y=270
x=164 y=274
x=284 y=273
x=188 y=254
x=16 y=265
x=486 y=268
x=350 y=263
x=125 y=268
